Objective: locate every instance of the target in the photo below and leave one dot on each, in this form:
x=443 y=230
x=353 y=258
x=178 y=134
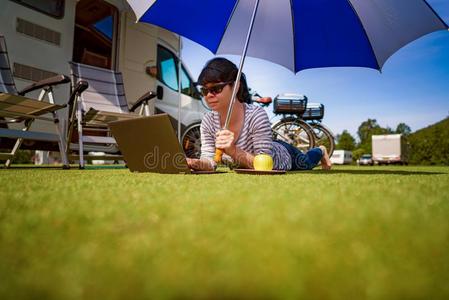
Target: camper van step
x=6 y=156
x=30 y=135
x=98 y=157
x=99 y=140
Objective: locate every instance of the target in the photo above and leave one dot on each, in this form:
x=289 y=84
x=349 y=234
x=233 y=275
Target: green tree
x=367 y=129
x=404 y=129
x=345 y=141
x=357 y=153
x=430 y=145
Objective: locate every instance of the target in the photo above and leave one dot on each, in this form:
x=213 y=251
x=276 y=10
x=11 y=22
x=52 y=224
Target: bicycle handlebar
x=264 y=101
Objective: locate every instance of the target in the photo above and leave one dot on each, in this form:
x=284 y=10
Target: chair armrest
x=145 y=98
x=52 y=81
x=79 y=88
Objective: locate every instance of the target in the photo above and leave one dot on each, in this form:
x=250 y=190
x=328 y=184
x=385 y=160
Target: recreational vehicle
x=341 y=157
x=390 y=149
x=42 y=37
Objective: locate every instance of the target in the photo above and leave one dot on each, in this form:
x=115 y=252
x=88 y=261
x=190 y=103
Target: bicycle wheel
x=191 y=141
x=324 y=137
x=295 y=132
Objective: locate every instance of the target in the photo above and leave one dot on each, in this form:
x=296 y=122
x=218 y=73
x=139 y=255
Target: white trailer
x=389 y=149
x=341 y=157
x=43 y=36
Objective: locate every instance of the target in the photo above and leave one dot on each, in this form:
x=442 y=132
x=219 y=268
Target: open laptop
x=149 y=144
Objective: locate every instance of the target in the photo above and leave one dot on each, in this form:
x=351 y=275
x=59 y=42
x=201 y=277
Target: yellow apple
x=263 y=162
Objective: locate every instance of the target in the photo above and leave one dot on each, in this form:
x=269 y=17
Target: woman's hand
x=191 y=162
x=199 y=165
x=225 y=141
x=195 y=164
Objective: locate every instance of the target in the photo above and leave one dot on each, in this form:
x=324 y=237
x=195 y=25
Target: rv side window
x=167 y=73
x=185 y=83
x=187 y=86
x=53 y=8
x=166 y=63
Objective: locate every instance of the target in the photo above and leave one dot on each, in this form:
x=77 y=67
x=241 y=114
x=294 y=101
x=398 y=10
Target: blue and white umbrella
x=297 y=34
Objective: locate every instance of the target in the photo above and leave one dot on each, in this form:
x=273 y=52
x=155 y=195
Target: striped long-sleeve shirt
x=255 y=137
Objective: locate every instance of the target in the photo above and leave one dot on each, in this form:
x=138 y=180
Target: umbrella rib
x=227 y=24
x=366 y=34
x=435 y=13
x=293 y=38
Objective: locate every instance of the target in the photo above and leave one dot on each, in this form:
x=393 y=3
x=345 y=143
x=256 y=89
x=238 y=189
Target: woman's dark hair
x=220 y=69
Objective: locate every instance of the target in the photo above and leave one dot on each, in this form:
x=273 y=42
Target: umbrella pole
x=219 y=152
x=242 y=61
x=179 y=91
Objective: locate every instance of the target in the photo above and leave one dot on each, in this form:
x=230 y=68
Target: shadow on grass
x=30 y=167
x=368 y=172
x=58 y=167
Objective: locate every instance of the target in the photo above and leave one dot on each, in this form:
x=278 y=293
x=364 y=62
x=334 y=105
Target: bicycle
x=300 y=124
x=291 y=128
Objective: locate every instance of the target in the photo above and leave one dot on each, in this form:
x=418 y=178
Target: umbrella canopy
x=297 y=34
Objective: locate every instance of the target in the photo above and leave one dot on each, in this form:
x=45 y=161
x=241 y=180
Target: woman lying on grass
x=249 y=131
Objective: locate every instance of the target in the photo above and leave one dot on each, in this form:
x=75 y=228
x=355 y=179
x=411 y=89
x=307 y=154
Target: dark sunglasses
x=215 y=89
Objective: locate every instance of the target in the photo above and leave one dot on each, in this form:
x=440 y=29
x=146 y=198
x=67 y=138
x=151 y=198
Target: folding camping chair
x=91 y=110
x=15 y=108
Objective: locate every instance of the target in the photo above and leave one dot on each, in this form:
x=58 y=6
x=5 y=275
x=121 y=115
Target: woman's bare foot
x=326 y=163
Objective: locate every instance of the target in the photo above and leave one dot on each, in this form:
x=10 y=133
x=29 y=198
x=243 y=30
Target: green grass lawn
x=352 y=233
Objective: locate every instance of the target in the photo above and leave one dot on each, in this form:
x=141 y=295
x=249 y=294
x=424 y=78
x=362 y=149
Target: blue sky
x=412 y=88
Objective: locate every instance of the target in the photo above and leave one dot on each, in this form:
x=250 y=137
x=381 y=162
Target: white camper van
x=43 y=36
x=341 y=157
x=390 y=149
